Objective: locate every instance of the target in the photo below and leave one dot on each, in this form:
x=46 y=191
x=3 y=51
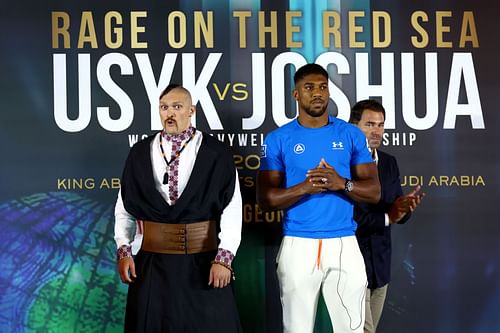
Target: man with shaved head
x=182 y=185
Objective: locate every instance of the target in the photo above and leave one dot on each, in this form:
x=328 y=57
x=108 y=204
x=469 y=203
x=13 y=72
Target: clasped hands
x=323 y=178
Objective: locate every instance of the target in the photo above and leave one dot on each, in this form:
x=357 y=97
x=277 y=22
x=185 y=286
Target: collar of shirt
x=186 y=163
x=182 y=136
x=375 y=155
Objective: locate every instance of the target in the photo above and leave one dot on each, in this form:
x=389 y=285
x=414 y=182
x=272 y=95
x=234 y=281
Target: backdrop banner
x=80 y=85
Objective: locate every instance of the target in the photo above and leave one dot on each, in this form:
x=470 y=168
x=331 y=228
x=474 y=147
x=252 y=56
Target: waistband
x=182 y=238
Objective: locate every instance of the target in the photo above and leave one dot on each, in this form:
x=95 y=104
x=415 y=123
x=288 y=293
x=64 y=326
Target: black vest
x=208 y=191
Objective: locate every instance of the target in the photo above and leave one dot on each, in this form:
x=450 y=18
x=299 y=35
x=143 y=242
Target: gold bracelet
x=225 y=265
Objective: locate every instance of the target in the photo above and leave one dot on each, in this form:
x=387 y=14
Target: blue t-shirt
x=293 y=149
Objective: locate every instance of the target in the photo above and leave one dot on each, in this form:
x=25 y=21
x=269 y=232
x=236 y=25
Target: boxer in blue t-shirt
x=314 y=168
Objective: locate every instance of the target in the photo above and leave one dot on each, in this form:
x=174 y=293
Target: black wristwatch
x=348 y=185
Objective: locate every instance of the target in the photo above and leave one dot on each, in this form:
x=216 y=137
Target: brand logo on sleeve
x=299 y=148
x=263 y=151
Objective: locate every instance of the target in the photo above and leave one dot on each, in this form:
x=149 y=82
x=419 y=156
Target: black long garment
x=171 y=292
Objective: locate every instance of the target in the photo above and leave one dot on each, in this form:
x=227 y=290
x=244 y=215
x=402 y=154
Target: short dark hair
x=309 y=69
x=367 y=104
x=171 y=87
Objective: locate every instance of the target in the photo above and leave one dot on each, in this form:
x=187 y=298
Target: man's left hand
x=405 y=204
x=220 y=276
x=324 y=176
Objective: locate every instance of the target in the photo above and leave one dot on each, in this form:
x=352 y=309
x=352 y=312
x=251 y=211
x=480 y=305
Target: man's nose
x=317 y=92
x=378 y=130
x=170 y=112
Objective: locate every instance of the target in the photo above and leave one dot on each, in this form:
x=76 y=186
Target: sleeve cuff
x=124 y=251
x=224 y=256
x=387 y=221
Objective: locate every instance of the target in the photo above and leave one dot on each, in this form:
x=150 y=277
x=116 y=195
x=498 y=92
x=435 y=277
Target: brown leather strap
x=179 y=238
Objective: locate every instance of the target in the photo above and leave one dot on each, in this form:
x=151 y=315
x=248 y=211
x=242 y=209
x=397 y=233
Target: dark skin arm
x=364 y=177
x=271 y=194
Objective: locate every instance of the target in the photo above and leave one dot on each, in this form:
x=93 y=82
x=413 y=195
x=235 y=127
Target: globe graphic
x=58 y=266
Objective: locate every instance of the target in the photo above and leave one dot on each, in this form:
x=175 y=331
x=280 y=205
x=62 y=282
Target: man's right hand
x=405 y=204
x=126 y=270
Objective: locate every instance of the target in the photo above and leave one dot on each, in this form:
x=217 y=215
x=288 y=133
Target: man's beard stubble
x=315 y=113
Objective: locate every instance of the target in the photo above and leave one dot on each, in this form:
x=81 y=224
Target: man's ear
x=295 y=94
x=192 y=110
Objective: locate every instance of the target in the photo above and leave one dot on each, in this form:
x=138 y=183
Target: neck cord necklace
x=174 y=156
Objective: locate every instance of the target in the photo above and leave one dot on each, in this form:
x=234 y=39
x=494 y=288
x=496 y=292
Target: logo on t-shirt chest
x=337 y=145
x=299 y=148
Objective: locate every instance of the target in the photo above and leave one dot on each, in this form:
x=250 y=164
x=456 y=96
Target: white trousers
x=333 y=266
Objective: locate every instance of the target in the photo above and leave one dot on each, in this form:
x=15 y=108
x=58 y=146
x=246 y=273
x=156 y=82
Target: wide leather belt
x=179 y=238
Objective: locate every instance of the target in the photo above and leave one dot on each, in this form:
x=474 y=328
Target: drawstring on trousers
x=318 y=259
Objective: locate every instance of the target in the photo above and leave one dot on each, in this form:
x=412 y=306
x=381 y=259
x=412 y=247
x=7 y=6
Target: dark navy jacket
x=373 y=236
